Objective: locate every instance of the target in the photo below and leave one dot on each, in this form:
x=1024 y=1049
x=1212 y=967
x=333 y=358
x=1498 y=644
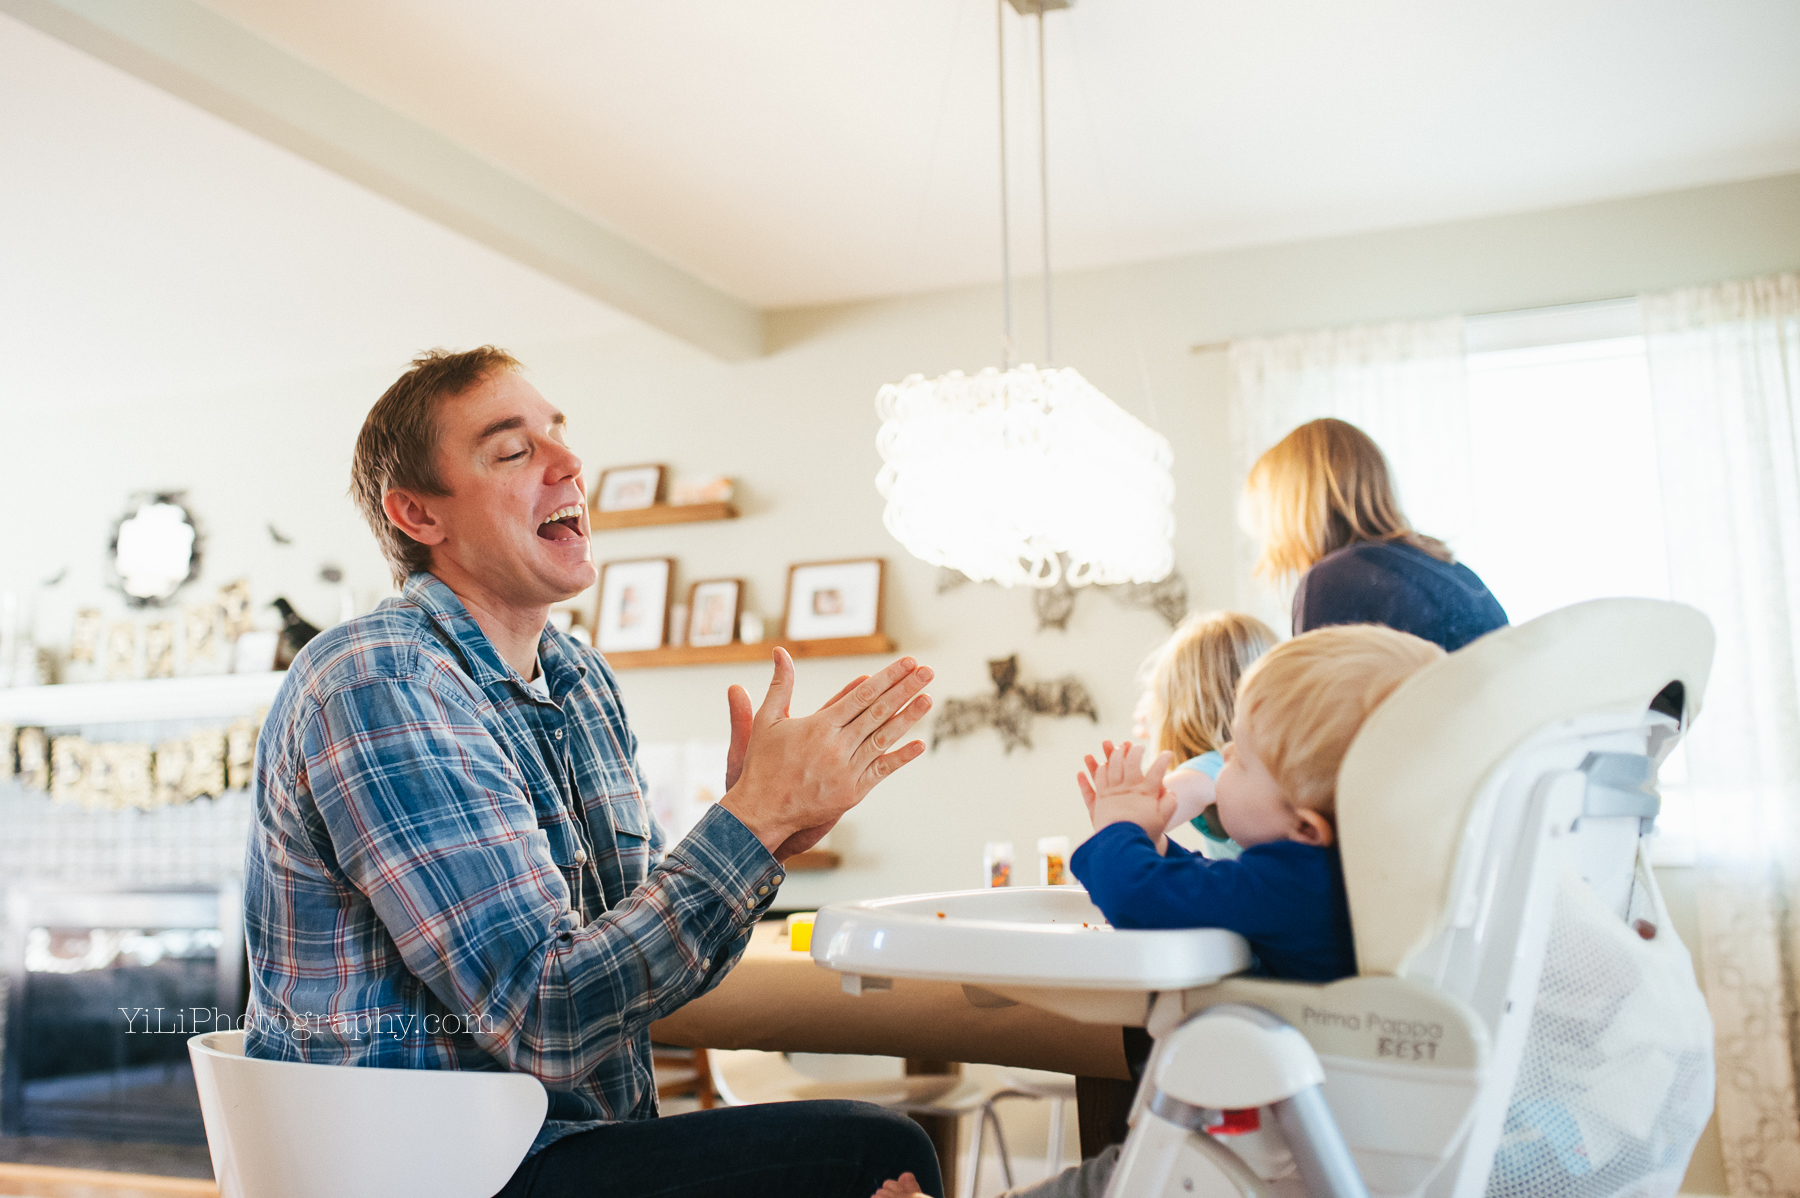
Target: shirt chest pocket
x=629 y=816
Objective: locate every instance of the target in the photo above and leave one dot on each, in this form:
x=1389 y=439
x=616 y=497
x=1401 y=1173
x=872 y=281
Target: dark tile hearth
x=163 y=1160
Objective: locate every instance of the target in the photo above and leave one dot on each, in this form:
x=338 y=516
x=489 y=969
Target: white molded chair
x=747 y=1076
x=1056 y=1088
x=281 y=1129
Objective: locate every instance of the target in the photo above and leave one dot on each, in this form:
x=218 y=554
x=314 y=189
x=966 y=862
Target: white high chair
x=747 y=1076
x=1496 y=796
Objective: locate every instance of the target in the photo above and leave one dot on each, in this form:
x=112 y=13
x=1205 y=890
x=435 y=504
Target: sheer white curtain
x=1404 y=384
x=1725 y=383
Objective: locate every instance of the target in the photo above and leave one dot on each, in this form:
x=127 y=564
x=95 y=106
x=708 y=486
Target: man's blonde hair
x=1305 y=700
x=1192 y=680
x=1324 y=486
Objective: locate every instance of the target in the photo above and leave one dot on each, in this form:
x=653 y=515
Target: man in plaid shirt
x=452 y=864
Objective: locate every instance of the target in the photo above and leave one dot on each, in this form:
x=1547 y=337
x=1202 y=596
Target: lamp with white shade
x=1025 y=476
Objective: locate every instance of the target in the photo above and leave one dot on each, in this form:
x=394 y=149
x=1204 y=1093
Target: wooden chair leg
x=704 y=1090
x=699 y=1086
x=1102 y=1106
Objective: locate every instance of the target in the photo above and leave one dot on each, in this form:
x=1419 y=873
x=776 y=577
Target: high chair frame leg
x=1234 y=1056
x=1318 y=1146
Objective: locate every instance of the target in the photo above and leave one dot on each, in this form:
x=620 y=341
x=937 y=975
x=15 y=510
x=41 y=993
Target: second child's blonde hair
x=1324 y=486
x=1306 y=699
x=1192 y=680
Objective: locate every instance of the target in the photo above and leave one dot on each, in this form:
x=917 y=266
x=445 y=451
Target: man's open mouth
x=564 y=524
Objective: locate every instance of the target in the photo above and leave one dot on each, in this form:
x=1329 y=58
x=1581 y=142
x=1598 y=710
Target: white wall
x=797 y=427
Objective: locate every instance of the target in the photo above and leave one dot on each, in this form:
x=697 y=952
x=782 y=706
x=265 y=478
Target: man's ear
x=412 y=517
x=1312 y=828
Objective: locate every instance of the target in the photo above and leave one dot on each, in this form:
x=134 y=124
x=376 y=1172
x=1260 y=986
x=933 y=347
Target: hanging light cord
x=1044 y=182
x=1006 y=341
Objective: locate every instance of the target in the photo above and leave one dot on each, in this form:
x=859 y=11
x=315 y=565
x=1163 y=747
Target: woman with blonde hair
x=1322 y=502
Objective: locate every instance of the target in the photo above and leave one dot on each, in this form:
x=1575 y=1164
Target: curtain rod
x=1213 y=347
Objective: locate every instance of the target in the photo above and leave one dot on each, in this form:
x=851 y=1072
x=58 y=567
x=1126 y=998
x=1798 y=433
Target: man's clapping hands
x=790 y=778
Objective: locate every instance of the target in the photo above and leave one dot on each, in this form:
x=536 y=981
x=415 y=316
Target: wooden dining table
x=780 y=1000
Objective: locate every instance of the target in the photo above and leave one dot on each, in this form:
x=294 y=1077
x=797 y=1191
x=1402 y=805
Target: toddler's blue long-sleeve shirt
x=1286 y=899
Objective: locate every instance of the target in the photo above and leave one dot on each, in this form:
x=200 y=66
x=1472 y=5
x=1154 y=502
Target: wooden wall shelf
x=813 y=861
x=693 y=655
x=661 y=513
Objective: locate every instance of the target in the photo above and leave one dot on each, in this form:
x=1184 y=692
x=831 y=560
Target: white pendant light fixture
x=1025 y=476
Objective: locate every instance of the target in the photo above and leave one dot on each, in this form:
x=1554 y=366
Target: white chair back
x=1487 y=785
x=281 y=1129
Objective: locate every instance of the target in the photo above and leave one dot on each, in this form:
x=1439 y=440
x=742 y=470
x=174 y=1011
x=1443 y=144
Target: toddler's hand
x=1120 y=790
x=903 y=1186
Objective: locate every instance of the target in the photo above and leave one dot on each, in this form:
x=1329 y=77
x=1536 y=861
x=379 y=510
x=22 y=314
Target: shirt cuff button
x=778 y=879
x=762 y=890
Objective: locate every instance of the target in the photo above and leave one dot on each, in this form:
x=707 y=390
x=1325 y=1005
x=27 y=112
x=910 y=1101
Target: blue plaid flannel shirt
x=447 y=871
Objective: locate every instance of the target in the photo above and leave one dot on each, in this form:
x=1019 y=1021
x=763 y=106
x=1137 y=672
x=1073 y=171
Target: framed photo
x=633 y=613
x=628 y=488
x=833 y=599
x=713 y=608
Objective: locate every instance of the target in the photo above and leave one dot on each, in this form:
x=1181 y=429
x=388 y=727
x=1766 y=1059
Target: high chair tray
x=1048 y=946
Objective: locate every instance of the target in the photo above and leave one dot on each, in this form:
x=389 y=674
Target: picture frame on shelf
x=827 y=600
x=632 y=613
x=713 y=607
x=629 y=488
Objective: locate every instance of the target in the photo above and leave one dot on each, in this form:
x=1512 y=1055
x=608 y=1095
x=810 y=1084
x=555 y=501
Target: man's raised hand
x=790 y=779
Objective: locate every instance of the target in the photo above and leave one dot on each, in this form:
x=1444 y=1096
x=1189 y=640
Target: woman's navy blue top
x=1403 y=587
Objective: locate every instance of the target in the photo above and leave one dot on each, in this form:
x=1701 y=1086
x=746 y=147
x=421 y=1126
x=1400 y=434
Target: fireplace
x=104 y=987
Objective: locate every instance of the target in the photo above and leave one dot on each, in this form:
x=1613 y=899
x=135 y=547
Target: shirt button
x=581 y=855
x=706 y=962
x=762 y=890
x=559 y=734
x=778 y=879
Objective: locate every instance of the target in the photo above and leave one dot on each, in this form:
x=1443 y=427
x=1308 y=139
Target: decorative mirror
x=155 y=549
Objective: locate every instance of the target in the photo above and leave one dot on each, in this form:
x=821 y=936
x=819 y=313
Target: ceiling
x=149 y=248
x=807 y=151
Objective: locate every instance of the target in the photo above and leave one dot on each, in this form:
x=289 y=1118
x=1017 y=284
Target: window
x=1565 y=502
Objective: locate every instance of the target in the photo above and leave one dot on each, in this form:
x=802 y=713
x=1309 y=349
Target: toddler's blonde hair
x=1306 y=699
x=1192 y=680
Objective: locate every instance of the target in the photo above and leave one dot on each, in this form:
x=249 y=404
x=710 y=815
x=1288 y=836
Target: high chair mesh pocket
x=1616 y=1081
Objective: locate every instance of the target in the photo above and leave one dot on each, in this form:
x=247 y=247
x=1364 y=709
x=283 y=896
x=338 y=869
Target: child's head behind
x=1192 y=681
x=1298 y=709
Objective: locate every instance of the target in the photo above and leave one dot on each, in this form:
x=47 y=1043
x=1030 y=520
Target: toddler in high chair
x=1297 y=710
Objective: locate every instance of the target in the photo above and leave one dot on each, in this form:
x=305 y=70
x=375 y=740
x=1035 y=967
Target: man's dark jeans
x=787 y=1149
